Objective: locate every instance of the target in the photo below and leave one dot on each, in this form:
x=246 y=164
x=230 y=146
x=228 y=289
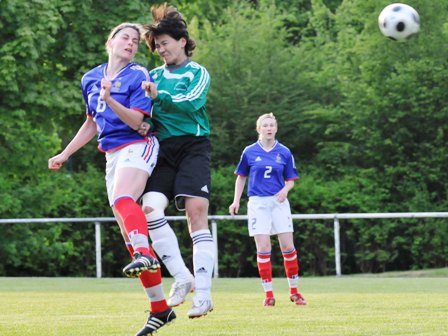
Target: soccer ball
x=399 y=21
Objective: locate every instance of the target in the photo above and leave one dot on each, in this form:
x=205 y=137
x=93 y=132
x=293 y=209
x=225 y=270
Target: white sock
x=267 y=286
x=203 y=261
x=164 y=242
x=155 y=293
x=293 y=281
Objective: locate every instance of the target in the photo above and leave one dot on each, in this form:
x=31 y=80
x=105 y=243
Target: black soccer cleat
x=157 y=321
x=140 y=264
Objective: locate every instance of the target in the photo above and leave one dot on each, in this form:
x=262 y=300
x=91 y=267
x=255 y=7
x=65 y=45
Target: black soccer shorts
x=183 y=169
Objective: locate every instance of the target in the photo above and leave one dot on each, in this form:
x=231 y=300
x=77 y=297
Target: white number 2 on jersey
x=267 y=172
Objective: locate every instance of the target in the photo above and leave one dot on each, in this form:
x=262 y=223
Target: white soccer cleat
x=179 y=292
x=200 y=308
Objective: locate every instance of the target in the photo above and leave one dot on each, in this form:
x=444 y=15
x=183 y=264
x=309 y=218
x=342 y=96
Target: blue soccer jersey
x=267 y=170
x=126 y=89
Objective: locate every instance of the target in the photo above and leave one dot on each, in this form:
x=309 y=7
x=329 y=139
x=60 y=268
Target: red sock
x=265 y=271
x=291 y=264
x=151 y=279
x=133 y=219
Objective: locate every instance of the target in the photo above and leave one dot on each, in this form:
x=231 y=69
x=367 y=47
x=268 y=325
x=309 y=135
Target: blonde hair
x=265 y=116
x=137 y=27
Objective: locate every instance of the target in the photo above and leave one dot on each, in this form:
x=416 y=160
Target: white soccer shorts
x=268 y=216
x=142 y=155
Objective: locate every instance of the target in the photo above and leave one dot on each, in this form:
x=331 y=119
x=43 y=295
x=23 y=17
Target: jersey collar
x=267 y=150
x=177 y=66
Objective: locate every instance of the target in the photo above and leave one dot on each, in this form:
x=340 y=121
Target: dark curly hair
x=168 y=20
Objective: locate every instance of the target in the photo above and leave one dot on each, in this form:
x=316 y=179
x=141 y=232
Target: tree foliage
x=365 y=117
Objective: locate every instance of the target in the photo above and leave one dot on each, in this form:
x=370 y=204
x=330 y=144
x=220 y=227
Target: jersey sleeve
x=150 y=122
x=290 y=172
x=243 y=166
x=139 y=100
x=86 y=98
x=192 y=99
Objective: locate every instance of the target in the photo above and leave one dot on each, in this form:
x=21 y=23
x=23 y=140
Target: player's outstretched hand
x=56 y=162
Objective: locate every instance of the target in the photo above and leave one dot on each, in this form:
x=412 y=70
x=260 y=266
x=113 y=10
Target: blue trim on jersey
x=267 y=170
x=126 y=89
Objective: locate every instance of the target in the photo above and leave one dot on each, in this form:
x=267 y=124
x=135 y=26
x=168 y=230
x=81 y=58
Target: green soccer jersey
x=179 y=108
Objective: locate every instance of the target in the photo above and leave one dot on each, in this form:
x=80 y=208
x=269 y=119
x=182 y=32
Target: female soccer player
x=115 y=107
x=271 y=170
x=179 y=95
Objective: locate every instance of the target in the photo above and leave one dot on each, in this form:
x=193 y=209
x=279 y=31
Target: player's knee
x=264 y=248
x=263 y=243
x=288 y=247
x=193 y=215
x=147 y=209
x=154 y=204
x=196 y=210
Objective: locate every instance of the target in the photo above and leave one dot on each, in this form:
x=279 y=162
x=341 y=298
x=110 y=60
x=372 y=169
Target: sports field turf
x=350 y=305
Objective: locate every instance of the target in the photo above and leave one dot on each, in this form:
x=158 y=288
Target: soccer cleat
x=156 y=321
x=200 y=308
x=269 y=302
x=179 y=291
x=139 y=264
x=298 y=299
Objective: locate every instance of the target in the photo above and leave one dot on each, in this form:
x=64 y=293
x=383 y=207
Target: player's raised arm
x=85 y=133
x=129 y=116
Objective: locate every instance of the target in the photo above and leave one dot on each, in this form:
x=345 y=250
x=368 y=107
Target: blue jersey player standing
x=115 y=108
x=271 y=171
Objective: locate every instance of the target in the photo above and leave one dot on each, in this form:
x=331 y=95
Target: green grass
x=349 y=305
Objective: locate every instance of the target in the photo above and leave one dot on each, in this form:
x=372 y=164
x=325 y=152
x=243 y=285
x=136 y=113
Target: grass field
x=412 y=303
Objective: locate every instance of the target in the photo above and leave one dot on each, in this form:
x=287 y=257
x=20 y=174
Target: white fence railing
x=214 y=227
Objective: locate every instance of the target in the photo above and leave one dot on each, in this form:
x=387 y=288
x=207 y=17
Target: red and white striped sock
x=291 y=264
x=134 y=222
x=265 y=271
x=152 y=285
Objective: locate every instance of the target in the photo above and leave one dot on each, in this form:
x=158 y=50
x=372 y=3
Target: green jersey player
x=182 y=173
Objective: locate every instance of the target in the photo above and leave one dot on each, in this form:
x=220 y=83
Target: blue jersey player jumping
x=271 y=171
x=115 y=106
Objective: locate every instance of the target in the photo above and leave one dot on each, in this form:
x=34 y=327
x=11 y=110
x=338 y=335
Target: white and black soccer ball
x=399 y=21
